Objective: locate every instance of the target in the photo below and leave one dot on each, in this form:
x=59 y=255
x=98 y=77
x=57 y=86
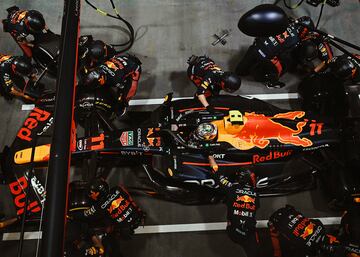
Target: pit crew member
x=210 y=79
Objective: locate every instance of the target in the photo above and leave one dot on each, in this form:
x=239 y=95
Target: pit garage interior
x=168 y=32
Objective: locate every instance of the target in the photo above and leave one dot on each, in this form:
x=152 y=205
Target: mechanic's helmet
x=98 y=50
x=22 y=65
x=206 y=131
x=343 y=67
x=34 y=21
x=231 y=81
x=98 y=188
x=308 y=25
x=93 y=79
x=307 y=51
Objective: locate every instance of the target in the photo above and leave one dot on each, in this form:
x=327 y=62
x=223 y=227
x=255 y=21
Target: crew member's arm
x=83 y=215
x=5 y=223
x=325 y=52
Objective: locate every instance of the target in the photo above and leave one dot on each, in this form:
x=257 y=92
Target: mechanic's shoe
x=274 y=84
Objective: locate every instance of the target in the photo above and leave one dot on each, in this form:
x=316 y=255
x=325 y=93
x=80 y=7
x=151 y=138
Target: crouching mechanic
x=268 y=58
x=120 y=73
x=241 y=202
x=13 y=69
x=210 y=79
x=308 y=237
x=112 y=207
x=92 y=53
x=23 y=23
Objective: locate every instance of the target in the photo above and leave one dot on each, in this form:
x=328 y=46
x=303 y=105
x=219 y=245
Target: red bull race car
x=288 y=150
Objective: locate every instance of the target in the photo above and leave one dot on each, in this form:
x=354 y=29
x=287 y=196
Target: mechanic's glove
x=210 y=109
x=304 y=233
x=94 y=251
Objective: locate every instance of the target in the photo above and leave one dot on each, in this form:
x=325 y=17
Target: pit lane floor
x=168 y=33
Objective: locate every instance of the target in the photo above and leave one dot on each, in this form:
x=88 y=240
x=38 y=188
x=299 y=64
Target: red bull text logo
x=32 y=122
x=17 y=189
x=271 y=156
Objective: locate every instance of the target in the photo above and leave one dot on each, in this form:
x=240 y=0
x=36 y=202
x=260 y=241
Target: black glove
x=210 y=109
x=303 y=233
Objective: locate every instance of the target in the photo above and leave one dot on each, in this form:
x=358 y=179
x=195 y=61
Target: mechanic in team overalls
x=114 y=208
x=23 y=23
x=92 y=53
x=269 y=58
x=13 y=71
x=301 y=236
x=346 y=68
x=121 y=73
x=242 y=203
x=210 y=79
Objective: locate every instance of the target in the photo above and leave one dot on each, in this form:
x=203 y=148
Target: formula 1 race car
x=251 y=134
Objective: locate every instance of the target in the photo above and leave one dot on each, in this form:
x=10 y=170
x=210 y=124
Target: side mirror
x=263 y=21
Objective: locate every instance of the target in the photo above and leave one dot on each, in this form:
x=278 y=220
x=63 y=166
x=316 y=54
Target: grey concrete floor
x=168 y=32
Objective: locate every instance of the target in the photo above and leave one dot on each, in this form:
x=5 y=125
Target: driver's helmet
x=206 y=132
x=98 y=188
x=22 y=66
x=232 y=82
x=34 y=21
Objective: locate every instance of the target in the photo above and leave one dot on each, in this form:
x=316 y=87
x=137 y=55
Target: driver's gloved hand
x=303 y=233
x=210 y=109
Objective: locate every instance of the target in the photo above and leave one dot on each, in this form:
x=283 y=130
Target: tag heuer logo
x=127 y=138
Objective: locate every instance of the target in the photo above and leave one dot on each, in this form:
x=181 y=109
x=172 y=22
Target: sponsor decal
x=47 y=126
x=17 y=189
x=32 y=122
x=127 y=138
x=309 y=229
x=219 y=156
x=245 y=199
x=315 y=236
x=271 y=156
x=115 y=204
x=247 y=206
x=111 y=198
x=258 y=129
